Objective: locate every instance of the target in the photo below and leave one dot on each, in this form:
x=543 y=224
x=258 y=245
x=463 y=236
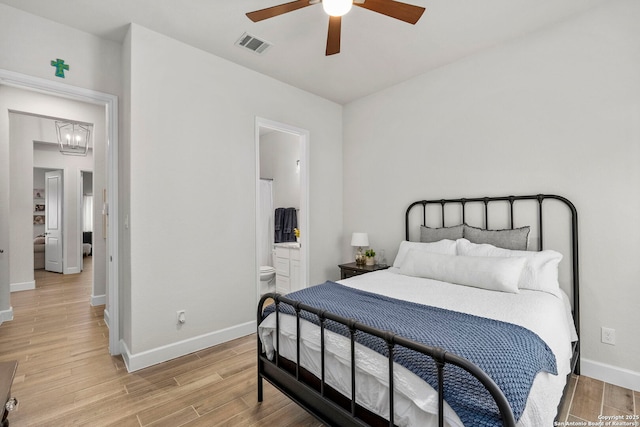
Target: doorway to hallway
x=10 y=82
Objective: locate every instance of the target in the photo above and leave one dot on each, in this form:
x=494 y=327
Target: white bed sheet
x=415 y=401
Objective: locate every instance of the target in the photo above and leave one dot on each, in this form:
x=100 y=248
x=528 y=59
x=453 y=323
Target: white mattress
x=415 y=401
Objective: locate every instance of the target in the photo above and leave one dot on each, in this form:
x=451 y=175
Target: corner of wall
x=98 y=300
x=6 y=315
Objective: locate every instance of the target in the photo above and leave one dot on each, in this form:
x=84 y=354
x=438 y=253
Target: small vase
x=370 y=260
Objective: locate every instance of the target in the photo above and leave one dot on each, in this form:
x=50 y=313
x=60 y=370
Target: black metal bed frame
x=334 y=409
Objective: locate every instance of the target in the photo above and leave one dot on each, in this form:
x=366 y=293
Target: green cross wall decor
x=60 y=67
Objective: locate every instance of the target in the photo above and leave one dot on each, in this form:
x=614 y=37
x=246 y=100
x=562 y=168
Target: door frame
x=80 y=212
x=303 y=136
x=110 y=102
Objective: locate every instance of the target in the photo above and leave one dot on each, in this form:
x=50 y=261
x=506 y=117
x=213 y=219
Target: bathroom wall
x=279 y=152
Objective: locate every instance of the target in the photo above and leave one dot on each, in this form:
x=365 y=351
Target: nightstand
x=353 y=269
x=7 y=374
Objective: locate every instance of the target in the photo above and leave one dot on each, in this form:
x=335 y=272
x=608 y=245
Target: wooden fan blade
x=333 y=37
x=395 y=9
x=270 y=12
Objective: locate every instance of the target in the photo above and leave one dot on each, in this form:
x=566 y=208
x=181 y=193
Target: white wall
x=29 y=43
x=555 y=112
x=124 y=191
x=279 y=152
x=192 y=192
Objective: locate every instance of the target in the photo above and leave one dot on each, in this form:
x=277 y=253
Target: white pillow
x=492 y=273
x=444 y=246
x=540 y=271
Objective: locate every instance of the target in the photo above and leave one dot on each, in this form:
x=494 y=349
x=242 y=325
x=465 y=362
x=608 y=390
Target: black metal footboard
x=323 y=402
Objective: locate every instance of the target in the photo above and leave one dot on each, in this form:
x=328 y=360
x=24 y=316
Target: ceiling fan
x=338 y=8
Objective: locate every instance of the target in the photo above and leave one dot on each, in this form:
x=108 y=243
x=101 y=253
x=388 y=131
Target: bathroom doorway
x=281 y=206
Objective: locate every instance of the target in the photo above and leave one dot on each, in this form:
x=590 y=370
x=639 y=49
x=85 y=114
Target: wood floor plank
x=564 y=411
x=619 y=399
x=159 y=412
x=288 y=415
x=198 y=372
x=223 y=413
x=128 y=421
x=587 y=402
x=178 y=418
x=233 y=387
x=273 y=401
x=575 y=420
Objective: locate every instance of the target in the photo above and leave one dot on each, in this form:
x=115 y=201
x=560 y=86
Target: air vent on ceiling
x=253 y=43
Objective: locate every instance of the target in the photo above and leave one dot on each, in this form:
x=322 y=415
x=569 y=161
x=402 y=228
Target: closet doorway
x=282 y=203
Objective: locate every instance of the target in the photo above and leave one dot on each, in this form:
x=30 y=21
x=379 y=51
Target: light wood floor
x=67 y=377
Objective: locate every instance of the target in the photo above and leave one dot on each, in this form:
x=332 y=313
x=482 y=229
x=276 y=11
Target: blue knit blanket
x=510 y=354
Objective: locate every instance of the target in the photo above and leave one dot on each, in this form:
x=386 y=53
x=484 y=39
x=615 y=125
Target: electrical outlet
x=608 y=336
x=180 y=314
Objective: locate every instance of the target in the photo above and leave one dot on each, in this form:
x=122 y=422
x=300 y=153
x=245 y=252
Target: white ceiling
x=376 y=51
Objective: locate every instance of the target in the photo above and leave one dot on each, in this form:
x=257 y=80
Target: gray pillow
x=428 y=234
x=515 y=239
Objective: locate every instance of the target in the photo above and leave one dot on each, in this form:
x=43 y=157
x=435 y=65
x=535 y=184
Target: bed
x=38 y=253
x=338 y=348
x=87 y=240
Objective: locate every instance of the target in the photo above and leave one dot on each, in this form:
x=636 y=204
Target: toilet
x=268 y=276
x=267 y=279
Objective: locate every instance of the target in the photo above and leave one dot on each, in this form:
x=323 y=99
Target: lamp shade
x=359 y=239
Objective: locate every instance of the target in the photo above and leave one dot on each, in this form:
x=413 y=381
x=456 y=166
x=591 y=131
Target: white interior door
x=53 y=221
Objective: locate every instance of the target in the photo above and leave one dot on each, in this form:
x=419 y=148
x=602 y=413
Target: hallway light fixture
x=73 y=138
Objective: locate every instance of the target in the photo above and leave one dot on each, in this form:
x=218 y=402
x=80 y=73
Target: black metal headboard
x=512 y=200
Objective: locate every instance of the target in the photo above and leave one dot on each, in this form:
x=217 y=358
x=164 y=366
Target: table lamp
x=360 y=240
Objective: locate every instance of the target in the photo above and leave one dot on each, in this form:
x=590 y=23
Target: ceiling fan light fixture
x=336 y=7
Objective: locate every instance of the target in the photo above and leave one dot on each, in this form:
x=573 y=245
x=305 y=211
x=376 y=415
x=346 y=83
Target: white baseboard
x=25 y=286
x=72 y=270
x=154 y=356
x=98 y=300
x=610 y=374
x=6 y=315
